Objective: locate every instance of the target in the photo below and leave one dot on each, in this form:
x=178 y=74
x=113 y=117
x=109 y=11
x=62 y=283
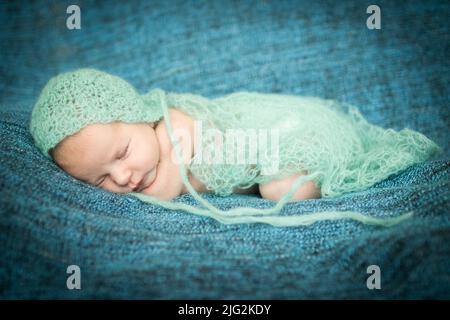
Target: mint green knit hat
x=73 y=100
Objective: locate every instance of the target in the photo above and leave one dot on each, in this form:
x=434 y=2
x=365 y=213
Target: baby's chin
x=149 y=191
x=148 y=188
x=146 y=191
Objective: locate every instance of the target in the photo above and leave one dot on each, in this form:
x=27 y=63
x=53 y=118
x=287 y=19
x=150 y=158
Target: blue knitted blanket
x=398 y=76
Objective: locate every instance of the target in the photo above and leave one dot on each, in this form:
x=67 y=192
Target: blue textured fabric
x=398 y=76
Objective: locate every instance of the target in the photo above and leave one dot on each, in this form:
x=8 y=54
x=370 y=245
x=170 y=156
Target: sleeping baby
x=98 y=129
x=137 y=157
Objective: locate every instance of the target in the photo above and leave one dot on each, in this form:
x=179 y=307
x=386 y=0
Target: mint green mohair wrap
x=330 y=141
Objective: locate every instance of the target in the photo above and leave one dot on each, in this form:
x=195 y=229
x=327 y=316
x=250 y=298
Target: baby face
x=118 y=156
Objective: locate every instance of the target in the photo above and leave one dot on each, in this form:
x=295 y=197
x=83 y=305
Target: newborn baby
x=97 y=128
x=126 y=157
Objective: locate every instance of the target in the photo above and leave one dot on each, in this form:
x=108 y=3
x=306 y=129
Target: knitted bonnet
x=74 y=100
x=70 y=101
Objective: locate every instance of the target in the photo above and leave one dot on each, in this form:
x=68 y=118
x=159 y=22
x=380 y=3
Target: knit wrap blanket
x=329 y=140
x=332 y=143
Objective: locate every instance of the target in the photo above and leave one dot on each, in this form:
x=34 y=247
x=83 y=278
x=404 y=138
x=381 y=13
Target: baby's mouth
x=144 y=184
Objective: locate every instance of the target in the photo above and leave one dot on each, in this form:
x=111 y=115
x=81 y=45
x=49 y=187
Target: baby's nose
x=122 y=177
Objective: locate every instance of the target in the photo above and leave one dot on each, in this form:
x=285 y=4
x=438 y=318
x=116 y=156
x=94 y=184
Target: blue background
x=398 y=76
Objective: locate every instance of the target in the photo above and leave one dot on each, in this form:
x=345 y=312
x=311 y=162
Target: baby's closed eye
x=125 y=152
